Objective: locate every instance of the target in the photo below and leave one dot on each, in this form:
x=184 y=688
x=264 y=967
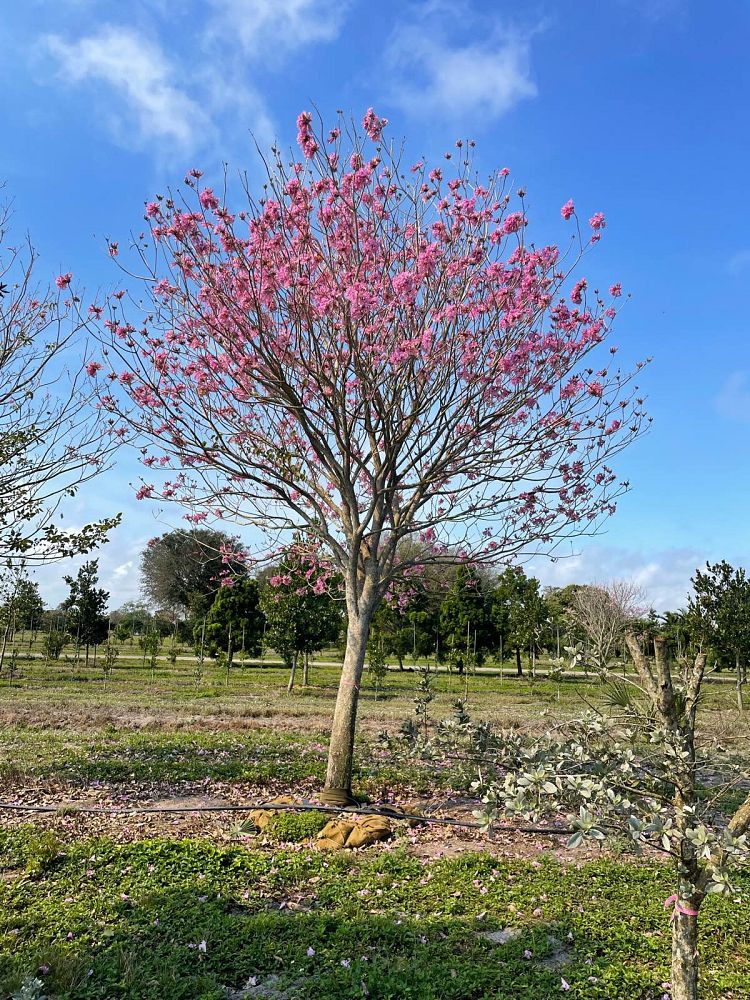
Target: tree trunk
x=292 y=672
x=306 y=670
x=230 y=657
x=738 y=681
x=338 y=786
x=5 y=643
x=519 y=668
x=685 y=956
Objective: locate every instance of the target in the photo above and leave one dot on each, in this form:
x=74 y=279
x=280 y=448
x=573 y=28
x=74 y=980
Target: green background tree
x=86 y=607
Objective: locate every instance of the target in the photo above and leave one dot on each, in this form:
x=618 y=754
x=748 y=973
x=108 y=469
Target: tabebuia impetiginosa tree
x=368 y=352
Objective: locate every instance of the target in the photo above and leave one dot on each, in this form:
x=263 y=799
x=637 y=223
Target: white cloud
x=137 y=70
x=733 y=400
x=266 y=28
x=663 y=574
x=123 y=570
x=239 y=108
x=432 y=72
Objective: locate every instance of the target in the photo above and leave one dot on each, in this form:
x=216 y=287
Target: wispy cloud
x=199 y=95
x=433 y=72
x=733 y=399
x=663 y=574
x=123 y=570
x=137 y=71
x=268 y=28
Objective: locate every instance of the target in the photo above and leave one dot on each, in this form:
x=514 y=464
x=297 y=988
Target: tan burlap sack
x=262 y=817
x=340 y=834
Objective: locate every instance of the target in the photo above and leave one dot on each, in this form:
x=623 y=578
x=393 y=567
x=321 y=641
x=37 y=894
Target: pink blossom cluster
x=297 y=344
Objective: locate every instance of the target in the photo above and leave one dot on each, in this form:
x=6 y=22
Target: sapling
x=111 y=652
x=200 y=655
x=151 y=643
x=638 y=770
x=422 y=700
x=376 y=664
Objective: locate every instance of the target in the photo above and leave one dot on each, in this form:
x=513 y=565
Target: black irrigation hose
x=385 y=811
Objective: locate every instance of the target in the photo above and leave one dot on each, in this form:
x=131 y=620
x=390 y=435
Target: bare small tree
x=603 y=612
x=51 y=438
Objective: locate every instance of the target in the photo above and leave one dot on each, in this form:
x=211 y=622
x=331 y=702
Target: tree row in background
x=198 y=591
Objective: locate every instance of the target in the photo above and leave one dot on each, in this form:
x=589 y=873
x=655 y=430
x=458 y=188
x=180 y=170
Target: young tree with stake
x=368 y=353
x=86 y=607
x=639 y=770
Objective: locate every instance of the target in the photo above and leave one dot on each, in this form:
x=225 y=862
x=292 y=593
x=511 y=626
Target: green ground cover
x=190 y=920
x=115 y=917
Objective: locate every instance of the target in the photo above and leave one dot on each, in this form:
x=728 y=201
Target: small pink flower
x=568 y=209
x=305 y=137
x=578 y=289
x=373 y=125
x=514 y=222
x=310 y=952
x=597 y=221
x=405 y=286
x=92 y=368
x=208 y=199
x=615 y=290
x=63 y=280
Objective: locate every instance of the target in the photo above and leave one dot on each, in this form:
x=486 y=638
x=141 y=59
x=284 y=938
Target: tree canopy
x=233 y=620
x=518 y=611
x=301 y=618
x=22 y=605
x=182 y=570
x=86 y=607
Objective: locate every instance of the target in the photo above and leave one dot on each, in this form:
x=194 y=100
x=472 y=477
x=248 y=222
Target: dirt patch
x=233 y=802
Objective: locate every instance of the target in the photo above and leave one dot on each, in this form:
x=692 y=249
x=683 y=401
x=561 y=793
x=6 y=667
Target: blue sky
x=637 y=108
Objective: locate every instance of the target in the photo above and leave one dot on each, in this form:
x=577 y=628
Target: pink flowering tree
x=367 y=353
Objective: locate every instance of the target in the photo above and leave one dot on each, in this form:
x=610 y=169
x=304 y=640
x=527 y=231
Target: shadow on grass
x=174 y=757
x=181 y=756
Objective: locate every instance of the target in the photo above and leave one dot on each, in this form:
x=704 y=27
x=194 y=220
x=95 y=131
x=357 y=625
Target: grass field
x=184 y=905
